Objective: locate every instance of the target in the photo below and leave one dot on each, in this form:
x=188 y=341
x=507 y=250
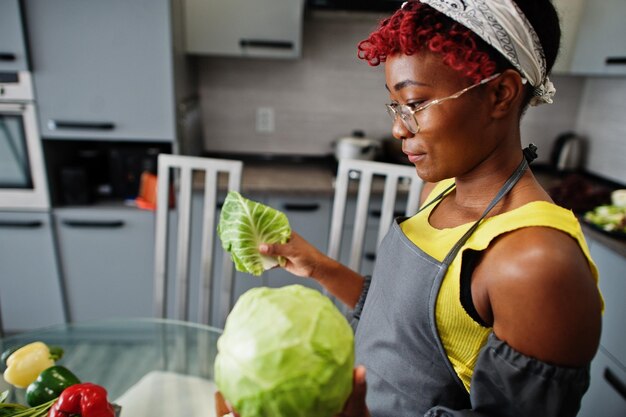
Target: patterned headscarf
x=504 y=26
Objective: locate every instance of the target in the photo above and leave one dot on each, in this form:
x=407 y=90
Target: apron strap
x=508 y=185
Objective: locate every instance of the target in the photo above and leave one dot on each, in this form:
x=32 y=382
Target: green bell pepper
x=49 y=385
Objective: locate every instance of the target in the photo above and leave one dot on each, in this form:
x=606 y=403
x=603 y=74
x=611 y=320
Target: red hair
x=417 y=27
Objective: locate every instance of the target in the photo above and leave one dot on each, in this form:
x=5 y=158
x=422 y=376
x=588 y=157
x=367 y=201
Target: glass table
x=125 y=354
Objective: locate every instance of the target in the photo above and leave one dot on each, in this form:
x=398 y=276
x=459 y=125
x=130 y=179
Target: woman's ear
x=509 y=90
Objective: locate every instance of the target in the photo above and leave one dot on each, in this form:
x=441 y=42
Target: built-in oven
x=23 y=182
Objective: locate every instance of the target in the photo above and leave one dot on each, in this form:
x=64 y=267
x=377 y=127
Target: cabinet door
x=31 y=294
x=606 y=396
x=611 y=267
x=107 y=259
x=262 y=28
x=600 y=47
x=102 y=69
x=310 y=218
x=13 y=55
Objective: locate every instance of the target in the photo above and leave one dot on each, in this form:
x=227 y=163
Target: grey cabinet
x=607 y=391
x=262 y=28
x=13 y=56
x=103 y=69
x=593 y=37
x=107 y=261
x=310 y=218
x=31 y=293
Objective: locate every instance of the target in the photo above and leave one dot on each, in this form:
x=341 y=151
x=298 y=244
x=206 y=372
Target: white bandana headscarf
x=503 y=25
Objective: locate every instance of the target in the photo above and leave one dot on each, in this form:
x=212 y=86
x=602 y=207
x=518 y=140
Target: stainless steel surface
x=20 y=147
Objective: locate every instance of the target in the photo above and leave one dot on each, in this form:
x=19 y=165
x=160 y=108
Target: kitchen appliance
x=567 y=152
x=356 y=146
x=22 y=173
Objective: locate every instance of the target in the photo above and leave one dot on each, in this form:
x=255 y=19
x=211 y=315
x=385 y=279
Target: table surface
x=117 y=354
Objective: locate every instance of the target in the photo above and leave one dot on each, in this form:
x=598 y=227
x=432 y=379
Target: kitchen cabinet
x=107 y=259
x=32 y=293
x=607 y=390
x=106 y=70
x=593 y=41
x=13 y=56
x=263 y=28
x=310 y=218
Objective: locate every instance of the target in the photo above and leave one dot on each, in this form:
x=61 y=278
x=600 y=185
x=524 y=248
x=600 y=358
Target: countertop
x=314 y=177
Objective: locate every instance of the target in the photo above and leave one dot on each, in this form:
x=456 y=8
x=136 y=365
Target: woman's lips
x=415 y=157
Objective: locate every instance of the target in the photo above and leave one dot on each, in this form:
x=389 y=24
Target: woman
x=485 y=303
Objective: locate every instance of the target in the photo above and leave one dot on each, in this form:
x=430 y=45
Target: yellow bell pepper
x=25 y=364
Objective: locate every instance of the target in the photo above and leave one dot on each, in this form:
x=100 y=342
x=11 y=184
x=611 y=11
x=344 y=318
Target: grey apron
x=408 y=371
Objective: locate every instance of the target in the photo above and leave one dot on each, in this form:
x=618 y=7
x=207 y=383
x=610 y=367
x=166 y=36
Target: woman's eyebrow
x=405 y=83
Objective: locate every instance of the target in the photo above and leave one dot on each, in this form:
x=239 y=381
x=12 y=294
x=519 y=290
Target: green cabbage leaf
x=243 y=225
x=285 y=352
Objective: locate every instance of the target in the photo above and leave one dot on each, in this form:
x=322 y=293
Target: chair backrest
x=396 y=177
x=183 y=168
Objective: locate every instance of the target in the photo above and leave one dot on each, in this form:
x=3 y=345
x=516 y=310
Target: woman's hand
x=302 y=257
x=355 y=406
x=222 y=408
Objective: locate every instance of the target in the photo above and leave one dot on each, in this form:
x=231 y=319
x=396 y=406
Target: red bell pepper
x=85 y=400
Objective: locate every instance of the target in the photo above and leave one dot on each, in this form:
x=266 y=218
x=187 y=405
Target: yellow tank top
x=461 y=336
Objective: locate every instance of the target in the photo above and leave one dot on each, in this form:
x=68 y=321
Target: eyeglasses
x=407 y=112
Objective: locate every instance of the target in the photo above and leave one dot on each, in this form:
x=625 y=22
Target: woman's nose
x=399 y=130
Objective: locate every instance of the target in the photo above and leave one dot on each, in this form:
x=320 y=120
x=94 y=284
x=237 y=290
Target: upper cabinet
x=103 y=70
x=260 y=28
x=13 y=55
x=594 y=35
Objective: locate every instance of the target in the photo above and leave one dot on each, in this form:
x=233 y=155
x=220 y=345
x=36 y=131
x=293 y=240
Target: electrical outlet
x=265 y=120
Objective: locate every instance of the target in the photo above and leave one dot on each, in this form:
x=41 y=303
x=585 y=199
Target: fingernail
x=263 y=247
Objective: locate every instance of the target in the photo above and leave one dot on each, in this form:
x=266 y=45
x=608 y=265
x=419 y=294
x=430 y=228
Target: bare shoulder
x=542 y=295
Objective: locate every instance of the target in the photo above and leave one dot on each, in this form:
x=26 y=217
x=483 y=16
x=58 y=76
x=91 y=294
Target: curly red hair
x=416 y=27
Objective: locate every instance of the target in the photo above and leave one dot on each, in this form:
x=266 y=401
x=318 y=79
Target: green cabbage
x=285 y=352
x=244 y=224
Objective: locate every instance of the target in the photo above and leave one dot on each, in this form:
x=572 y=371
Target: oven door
x=22 y=174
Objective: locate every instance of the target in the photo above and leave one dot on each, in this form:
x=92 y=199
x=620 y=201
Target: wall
x=601 y=120
x=328 y=93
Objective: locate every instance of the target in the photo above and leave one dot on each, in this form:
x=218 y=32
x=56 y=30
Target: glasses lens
x=391 y=111
x=410 y=123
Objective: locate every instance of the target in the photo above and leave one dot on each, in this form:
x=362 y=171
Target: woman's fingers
x=355 y=406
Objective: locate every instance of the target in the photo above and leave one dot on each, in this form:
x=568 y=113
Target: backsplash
x=601 y=119
x=328 y=93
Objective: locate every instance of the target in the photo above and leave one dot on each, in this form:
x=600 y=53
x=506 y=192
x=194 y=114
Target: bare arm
x=305 y=260
x=536 y=287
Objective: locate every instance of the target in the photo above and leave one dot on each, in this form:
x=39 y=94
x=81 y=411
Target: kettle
x=567 y=152
x=356 y=146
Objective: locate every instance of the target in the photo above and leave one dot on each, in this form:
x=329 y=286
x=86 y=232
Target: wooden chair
x=364 y=172
x=183 y=168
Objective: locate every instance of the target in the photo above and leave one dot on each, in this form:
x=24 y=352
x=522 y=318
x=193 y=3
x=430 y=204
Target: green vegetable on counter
x=243 y=225
x=285 y=352
x=49 y=385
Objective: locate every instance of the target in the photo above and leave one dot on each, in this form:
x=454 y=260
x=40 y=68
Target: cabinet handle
x=615 y=382
x=264 y=43
x=64 y=124
x=32 y=224
x=7 y=56
x=370 y=256
x=616 y=60
x=101 y=224
x=301 y=207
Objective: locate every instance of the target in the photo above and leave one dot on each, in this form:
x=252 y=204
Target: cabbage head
x=285 y=352
x=243 y=225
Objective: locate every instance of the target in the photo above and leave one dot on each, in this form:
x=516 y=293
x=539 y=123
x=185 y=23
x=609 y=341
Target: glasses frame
x=406 y=112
